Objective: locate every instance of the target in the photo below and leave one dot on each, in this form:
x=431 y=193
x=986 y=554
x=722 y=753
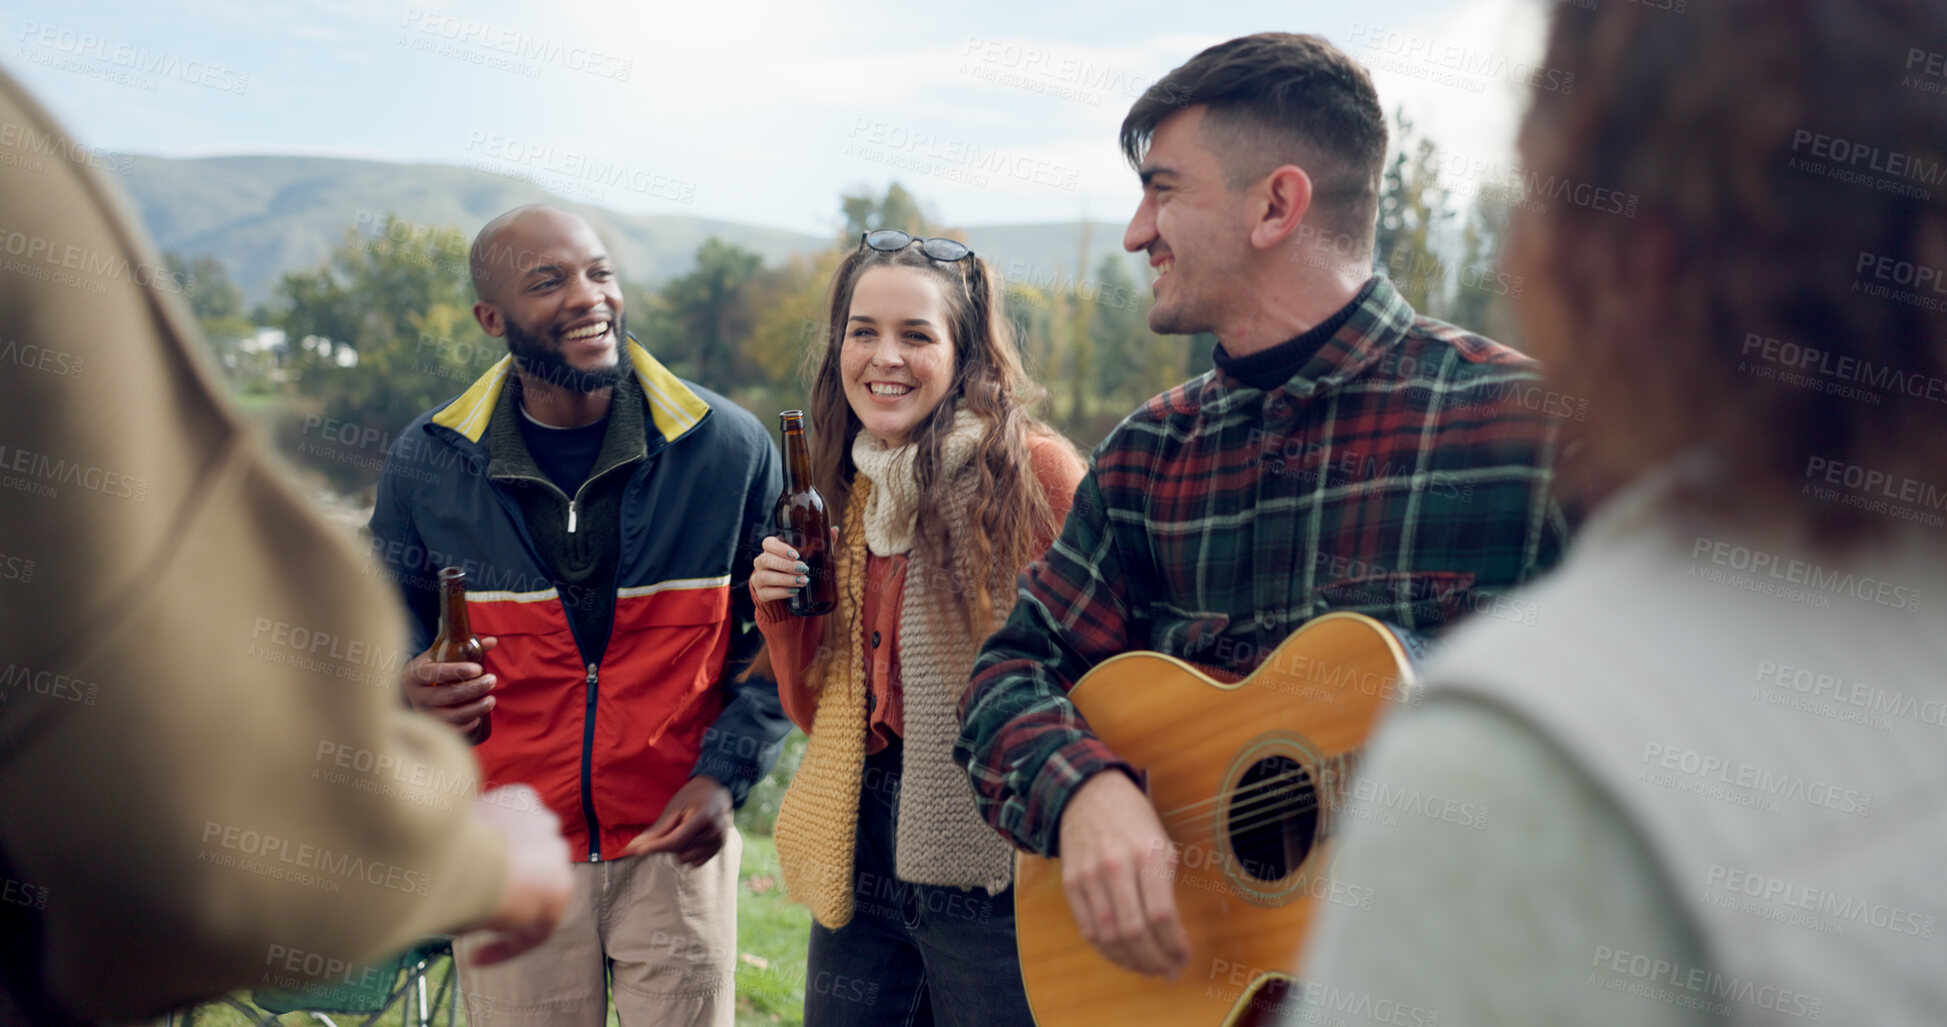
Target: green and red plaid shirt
x=1406 y=471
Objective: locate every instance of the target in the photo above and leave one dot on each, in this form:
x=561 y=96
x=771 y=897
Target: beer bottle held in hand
x=804 y=525
x=456 y=642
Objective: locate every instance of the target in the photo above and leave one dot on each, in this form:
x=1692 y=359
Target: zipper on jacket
x=588 y=714
x=574 y=502
x=587 y=772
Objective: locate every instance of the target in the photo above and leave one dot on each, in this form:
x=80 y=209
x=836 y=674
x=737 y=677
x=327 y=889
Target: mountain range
x=264 y=216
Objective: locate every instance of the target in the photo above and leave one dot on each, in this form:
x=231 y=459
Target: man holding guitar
x=1345 y=454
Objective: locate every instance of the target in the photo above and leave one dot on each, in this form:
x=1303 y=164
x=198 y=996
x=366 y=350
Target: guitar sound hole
x=1273 y=817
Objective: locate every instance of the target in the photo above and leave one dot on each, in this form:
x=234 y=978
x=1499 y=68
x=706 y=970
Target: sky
x=991 y=111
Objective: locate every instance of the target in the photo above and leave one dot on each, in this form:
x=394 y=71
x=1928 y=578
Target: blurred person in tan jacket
x=207 y=777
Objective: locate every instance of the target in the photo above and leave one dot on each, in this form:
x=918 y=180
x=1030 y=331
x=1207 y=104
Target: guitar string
x=1222 y=795
x=1256 y=806
x=1258 y=818
x=1259 y=804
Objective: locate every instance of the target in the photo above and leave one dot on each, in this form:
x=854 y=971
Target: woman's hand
x=776 y=573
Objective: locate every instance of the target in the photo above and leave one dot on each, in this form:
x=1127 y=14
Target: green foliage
x=708 y=315
x=1412 y=203
x=896 y=209
x=218 y=306
x=380 y=333
x=759 y=813
x=772 y=935
x=1444 y=261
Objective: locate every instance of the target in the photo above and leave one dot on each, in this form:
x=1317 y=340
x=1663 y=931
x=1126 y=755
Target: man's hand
x=1119 y=870
x=454 y=692
x=539 y=883
x=693 y=825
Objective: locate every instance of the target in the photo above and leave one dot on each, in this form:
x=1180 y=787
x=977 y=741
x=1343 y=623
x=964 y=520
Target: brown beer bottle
x=804 y=525
x=456 y=642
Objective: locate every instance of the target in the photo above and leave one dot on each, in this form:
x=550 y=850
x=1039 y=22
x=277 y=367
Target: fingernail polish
x=802 y=580
x=803 y=568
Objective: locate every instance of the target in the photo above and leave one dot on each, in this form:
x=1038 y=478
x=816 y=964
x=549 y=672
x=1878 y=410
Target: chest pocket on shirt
x=1417 y=600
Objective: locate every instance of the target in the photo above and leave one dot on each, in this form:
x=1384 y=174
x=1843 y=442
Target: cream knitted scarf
x=942 y=839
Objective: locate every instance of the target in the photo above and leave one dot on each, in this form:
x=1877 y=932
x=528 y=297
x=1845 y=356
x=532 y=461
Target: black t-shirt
x=1268 y=369
x=565 y=455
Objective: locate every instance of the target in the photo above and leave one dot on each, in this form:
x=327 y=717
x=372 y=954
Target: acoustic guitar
x=1248 y=779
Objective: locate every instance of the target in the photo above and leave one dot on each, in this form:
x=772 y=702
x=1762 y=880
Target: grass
x=771 y=937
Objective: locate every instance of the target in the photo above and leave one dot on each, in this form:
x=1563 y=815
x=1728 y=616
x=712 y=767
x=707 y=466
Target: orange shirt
x=793 y=640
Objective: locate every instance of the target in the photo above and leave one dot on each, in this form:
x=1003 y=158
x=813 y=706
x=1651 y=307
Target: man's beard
x=539 y=356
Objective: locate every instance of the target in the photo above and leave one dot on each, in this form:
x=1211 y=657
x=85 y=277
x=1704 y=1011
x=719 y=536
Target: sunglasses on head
x=892 y=240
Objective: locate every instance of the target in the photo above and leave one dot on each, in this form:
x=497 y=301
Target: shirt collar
x=1376 y=325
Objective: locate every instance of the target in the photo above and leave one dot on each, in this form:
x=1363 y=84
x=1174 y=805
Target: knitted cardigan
x=941 y=839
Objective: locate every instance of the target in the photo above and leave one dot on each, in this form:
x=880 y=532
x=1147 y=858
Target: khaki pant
x=662 y=934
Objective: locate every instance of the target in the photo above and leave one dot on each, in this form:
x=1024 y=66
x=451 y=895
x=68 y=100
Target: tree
x=1483 y=289
x=897 y=209
x=217 y=304
x=1412 y=201
x=711 y=315
x=380 y=332
x=791 y=324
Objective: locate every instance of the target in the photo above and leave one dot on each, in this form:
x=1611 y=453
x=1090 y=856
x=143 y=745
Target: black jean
x=913 y=954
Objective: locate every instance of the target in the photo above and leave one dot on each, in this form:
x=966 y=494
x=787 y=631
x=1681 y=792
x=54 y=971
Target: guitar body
x=1245 y=776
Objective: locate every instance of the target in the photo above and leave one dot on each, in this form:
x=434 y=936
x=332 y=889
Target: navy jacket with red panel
x=610 y=739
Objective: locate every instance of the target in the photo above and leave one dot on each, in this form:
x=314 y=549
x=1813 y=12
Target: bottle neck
x=797 y=459
x=453 y=601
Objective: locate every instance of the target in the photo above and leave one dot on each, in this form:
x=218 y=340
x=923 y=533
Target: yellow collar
x=673 y=407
